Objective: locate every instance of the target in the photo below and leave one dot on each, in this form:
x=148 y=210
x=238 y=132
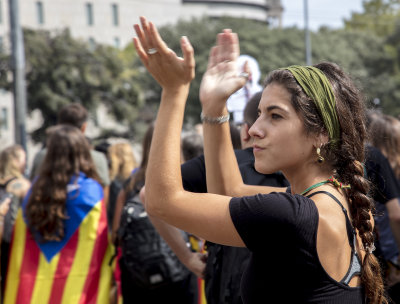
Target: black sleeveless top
x=280 y=229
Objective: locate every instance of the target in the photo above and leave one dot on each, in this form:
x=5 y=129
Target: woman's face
x=280 y=141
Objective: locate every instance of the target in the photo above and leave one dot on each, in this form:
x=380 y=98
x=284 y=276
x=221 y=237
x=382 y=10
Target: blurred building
x=110 y=22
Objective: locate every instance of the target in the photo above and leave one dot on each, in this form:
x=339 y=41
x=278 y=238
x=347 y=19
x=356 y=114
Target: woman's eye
x=276 y=116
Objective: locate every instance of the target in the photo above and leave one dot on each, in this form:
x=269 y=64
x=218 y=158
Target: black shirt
x=194 y=173
x=280 y=229
x=225 y=264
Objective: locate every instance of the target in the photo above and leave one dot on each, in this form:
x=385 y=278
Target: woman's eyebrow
x=275 y=107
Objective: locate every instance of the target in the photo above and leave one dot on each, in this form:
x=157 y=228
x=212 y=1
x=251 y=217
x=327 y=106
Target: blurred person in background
x=60 y=249
x=383 y=168
x=181 y=291
x=75 y=114
x=235 y=135
x=122 y=163
x=192 y=145
x=13 y=181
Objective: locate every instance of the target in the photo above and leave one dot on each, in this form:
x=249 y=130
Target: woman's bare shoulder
x=19 y=187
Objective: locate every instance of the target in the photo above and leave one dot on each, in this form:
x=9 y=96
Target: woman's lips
x=257 y=148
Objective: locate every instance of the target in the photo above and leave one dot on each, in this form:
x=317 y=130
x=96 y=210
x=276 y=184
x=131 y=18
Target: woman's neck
x=301 y=179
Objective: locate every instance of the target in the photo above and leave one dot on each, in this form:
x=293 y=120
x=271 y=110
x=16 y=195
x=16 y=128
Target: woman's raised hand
x=222 y=78
x=169 y=70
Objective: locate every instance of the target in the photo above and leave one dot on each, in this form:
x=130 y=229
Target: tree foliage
x=381 y=18
x=365 y=57
x=378 y=17
x=61 y=70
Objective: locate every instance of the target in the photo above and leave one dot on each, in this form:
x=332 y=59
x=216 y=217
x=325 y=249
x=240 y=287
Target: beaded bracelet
x=214 y=120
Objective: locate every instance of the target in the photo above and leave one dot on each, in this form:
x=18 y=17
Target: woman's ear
x=321 y=139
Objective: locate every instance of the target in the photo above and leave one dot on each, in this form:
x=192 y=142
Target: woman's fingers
x=235 y=45
x=228 y=44
x=187 y=51
x=149 y=38
x=149 y=43
x=164 y=65
x=140 y=51
x=157 y=41
x=219 y=52
x=212 y=60
x=140 y=36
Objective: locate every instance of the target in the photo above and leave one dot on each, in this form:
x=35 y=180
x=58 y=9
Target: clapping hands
x=169 y=70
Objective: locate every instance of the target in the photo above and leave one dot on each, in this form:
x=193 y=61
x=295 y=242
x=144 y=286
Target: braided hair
x=345 y=157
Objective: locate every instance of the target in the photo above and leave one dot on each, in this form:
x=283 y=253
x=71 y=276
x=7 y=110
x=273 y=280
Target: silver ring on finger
x=244 y=74
x=152 y=51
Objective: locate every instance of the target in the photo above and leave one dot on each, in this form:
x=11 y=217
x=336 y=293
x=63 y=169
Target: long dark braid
x=346 y=157
x=349 y=156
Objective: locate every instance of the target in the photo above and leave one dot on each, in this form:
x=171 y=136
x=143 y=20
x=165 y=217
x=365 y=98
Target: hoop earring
x=320 y=159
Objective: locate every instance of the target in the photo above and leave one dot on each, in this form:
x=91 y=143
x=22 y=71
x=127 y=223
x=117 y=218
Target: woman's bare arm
x=207 y=215
x=219 y=82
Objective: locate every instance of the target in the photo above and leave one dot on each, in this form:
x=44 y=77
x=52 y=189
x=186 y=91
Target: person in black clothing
x=311 y=127
x=383 y=168
x=385 y=190
x=225 y=264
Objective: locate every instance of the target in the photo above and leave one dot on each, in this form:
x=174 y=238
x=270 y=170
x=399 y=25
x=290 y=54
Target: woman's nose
x=255 y=130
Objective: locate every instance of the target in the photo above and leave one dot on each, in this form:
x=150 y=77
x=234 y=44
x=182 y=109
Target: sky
x=320 y=12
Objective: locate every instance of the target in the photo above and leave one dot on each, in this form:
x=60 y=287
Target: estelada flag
x=74 y=270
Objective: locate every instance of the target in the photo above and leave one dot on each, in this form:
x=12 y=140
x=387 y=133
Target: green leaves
x=60 y=69
x=364 y=56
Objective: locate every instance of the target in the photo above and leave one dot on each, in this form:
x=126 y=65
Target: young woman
x=60 y=250
x=311 y=243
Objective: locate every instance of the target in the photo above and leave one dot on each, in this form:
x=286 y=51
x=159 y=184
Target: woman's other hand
x=169 y=70
x=197 y=264
x=222 y=78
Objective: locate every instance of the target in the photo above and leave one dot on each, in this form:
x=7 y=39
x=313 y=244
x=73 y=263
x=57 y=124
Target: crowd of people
x=297 y=204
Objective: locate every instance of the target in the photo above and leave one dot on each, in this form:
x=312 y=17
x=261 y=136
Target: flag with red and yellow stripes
x=74 y=270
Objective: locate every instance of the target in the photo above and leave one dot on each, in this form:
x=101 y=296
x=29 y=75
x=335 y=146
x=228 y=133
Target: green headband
x=317 y=86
